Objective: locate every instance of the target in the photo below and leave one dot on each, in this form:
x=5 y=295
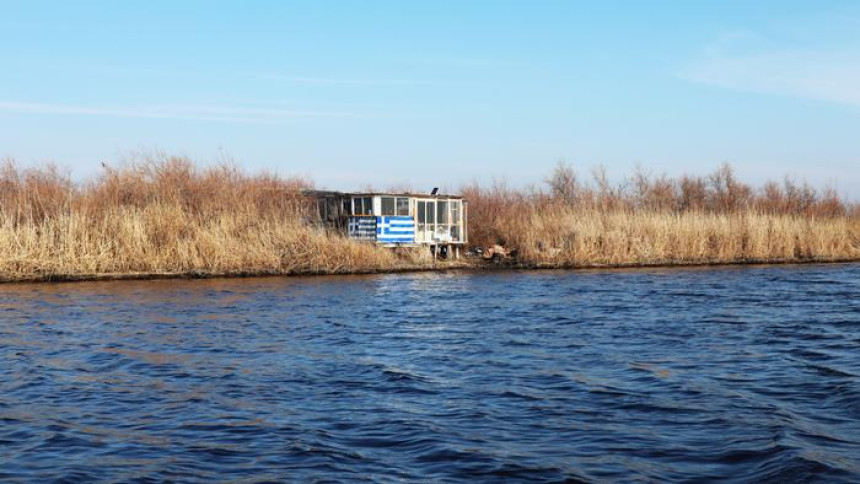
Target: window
x=442 y=212
x=388 y=206
x=431 y=213
x=362 y=206
x=331 y=209
x=455 y=220
x=395 y=206
x=402 y=206
x=422 y=213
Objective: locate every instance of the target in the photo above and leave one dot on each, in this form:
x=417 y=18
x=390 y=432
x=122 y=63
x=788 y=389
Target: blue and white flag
x=362 y=228
x=395 y=230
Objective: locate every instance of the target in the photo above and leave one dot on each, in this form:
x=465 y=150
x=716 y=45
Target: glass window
x=388 y=206
x=455 y=212
x=321 y=208
x=422 y=213
x=402 y=206
x=431 y=213
x=442 y=212
x=363 y=205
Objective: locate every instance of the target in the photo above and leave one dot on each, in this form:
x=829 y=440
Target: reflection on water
x=743 y=373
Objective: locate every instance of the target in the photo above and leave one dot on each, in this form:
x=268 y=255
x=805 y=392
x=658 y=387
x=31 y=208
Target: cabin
x=432 y=220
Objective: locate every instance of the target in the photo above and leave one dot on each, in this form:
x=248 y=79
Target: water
x=746 y=374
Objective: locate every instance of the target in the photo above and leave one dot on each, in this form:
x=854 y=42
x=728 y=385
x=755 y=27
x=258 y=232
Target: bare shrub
x=563 y=183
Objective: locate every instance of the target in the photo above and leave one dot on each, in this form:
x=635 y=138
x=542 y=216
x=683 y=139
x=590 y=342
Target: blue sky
x=438 y=93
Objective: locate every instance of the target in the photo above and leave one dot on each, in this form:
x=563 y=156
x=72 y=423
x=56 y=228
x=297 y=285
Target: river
x=738 y=373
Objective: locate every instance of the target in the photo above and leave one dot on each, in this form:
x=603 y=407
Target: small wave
x=629 y=376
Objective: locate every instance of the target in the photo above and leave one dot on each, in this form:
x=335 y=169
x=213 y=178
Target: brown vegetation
x=660 y=220
x=163 y=216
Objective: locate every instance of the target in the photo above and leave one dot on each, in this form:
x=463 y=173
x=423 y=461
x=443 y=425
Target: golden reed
x=163 y=216
x=645 y=220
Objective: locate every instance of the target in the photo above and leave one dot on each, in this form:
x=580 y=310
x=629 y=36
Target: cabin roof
x=331 y=193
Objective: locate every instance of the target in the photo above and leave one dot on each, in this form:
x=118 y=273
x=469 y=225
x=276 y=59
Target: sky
x=441 y=93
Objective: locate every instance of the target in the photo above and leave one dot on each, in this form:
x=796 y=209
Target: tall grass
x=660 y=220
x=161 y=215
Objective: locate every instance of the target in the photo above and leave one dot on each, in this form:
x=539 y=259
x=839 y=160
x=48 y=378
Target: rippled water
x=746 y=373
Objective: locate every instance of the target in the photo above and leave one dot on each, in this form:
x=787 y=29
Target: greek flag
x=395 y=230
x=362 y=228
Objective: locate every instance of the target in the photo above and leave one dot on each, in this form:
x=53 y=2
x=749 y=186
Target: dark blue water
x=746 y=374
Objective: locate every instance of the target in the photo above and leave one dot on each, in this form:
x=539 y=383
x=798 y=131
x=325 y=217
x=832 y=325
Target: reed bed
x=163 y=216
x=646 y=220
x=568 y=237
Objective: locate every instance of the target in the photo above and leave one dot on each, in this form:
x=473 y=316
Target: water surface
x=746 y=373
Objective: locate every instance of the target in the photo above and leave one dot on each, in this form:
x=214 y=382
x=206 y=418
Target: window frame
x=383 y=209
x=362 y=206
x=442 y=207
x=405 y=204
x=430 y=213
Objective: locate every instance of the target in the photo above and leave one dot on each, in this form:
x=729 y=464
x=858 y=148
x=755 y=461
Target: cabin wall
x=440 y=221
x=441 y=227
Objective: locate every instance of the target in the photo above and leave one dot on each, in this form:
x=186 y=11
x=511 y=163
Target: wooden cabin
x=397 y=219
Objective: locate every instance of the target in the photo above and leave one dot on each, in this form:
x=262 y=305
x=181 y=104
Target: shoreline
x=466 y=265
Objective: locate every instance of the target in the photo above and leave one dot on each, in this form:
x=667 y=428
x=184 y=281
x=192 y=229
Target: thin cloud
x=827 y=76
x=335 y=81
x=188 y=113
x=267 y=112
x=299 y=79
x=811 y=58
x=465 y=63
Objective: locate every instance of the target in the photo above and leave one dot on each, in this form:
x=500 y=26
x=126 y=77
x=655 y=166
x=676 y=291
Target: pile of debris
x=495 y=254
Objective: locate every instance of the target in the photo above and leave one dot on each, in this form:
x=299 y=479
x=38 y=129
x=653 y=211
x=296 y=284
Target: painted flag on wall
x=362 y=228
x=395 y=229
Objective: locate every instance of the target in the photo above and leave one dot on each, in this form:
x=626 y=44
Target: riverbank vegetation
x=645 y=220
x=163 y=215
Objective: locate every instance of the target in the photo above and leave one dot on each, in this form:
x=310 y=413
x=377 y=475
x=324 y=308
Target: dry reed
x=646 y=220
x=162 y=215
x=165 y=216
x=562 y=236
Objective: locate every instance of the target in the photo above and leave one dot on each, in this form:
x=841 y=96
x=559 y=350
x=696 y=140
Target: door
x=426 y=221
